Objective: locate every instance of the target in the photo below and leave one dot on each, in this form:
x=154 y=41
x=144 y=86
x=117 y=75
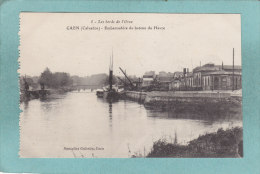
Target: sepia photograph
x=130 y=85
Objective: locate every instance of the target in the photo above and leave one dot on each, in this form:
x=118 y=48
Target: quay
x=209 y=88
x=213 y=101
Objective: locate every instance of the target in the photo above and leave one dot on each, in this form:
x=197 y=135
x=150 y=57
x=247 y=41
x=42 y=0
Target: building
x=206 y=77
x=137 y=83
x=178 y=75
x=176 y=82
x=217 y=77
x=189 y=80
x=165 y=80
x=222 y=80
x=148 y=78
x=200 y=71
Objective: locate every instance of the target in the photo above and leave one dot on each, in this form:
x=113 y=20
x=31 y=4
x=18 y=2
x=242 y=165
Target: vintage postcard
x=130 y=85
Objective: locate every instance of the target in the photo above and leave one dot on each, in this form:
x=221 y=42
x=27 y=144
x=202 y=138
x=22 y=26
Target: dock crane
x=126 y=85
x=122 y=81
x=131 y=84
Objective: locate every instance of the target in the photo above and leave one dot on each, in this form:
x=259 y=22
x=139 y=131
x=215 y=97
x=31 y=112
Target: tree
x=55 y=80
x=27 y=80
x=61 y=79
x=46 y=78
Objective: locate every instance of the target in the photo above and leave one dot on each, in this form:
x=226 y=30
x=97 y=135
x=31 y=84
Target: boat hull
x=100 y=94
x=111 y=95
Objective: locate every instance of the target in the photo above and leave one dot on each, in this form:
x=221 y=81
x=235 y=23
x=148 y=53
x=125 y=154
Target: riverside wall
x=189 y=101
x=136 y=96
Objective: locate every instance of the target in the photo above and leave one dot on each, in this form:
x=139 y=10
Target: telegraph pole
x=233 y=71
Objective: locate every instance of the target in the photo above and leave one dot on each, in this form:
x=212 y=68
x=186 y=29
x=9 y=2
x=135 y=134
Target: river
x=80 y=125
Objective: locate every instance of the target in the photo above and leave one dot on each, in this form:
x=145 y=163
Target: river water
x=78 y=124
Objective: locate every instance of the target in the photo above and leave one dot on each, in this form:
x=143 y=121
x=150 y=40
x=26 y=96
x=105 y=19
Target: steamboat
x=109 y=93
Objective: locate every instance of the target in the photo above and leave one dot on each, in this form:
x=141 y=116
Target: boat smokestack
x=111 y=72
x=110 y=79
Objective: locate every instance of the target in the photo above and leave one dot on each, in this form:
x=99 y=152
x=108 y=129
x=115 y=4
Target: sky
x=56 y=41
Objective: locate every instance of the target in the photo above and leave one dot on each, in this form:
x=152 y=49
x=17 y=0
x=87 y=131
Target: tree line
x=57 y=80
x=47 y=78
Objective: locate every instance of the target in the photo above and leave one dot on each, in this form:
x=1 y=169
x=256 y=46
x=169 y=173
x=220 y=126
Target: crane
x=131 y=84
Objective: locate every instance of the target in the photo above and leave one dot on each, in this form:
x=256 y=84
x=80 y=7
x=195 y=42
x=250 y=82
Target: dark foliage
x=223 y=143
x=55 y=80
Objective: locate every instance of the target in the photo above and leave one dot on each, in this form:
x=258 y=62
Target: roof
x=190 y=74
x=223 y=73
x=206 y=68
x=212 y=67
x=149 y=73
x=165 y=78
x=230 y=67
x=148 y=79
x=148 y=76
x=178 y=73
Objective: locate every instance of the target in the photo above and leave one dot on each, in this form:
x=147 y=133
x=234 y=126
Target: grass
x=221 y=144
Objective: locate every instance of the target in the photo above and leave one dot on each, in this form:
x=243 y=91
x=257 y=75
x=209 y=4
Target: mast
x=111 y=72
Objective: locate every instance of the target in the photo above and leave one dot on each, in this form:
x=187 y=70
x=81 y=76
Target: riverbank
x=221 y=144
x=190 y=101
x=42 y=94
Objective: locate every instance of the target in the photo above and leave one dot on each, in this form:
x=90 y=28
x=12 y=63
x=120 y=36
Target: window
x=228 y=81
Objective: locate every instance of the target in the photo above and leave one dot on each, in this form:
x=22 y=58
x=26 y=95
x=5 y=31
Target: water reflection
x=202 y=117
x=26 y=105
x=121 y=128
x=110 y=114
